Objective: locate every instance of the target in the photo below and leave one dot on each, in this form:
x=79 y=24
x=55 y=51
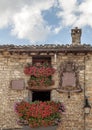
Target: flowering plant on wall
x=39 y=113
x=40 y=74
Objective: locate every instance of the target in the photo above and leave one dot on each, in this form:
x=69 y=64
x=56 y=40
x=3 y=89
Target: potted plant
x=40 y=75
x=39 y=115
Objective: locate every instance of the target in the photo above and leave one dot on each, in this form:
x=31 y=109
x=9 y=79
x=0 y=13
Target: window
x=41 y=59
x=41 y=96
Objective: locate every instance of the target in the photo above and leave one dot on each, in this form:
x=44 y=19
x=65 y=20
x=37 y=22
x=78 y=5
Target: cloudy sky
x=44 y=21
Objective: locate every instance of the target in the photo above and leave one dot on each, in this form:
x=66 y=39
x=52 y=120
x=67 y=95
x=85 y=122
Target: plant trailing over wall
x=38 y=113
x=40 y=74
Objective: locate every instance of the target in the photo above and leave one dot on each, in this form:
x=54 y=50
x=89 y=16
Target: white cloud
x=57 y=30
x=8 y=9
x=86 y=7
x=85 y=17
x=67 y=13
x=68 y=6
x=30 y=25
x=27 y=21
x=74 y=14
x=25 y=18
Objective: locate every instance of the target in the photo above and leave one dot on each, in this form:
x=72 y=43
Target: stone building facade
x=73 y=61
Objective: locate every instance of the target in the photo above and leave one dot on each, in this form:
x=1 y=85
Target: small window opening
x=41 y=96
x=41 y=59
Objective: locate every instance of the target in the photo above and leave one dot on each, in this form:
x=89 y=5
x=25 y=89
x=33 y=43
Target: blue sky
x=44 y=22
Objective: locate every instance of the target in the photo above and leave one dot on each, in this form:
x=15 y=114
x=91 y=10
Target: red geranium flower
x=40 y=74
x=39 y=113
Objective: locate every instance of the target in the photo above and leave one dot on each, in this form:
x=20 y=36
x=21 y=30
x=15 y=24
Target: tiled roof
x=46 y=48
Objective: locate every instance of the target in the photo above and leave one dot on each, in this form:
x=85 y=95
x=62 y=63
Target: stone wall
x=88 y=89
x=10 y=68
x=74 y=119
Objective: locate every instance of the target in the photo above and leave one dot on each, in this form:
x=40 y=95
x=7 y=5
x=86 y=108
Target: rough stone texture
x=76 y=36
x=12 y=68
x=73 y=118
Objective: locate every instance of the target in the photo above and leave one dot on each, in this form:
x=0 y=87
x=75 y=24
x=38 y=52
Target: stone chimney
x=76 y=36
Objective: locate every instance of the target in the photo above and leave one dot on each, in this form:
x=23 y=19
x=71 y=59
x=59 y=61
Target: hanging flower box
x=40 y=75
x=40 y=81
x=39 y=114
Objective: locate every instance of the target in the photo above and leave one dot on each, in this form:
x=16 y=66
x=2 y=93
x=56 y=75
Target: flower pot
x=43 y=88
x=40 y=128
x=36 y=82
x=38 y=113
